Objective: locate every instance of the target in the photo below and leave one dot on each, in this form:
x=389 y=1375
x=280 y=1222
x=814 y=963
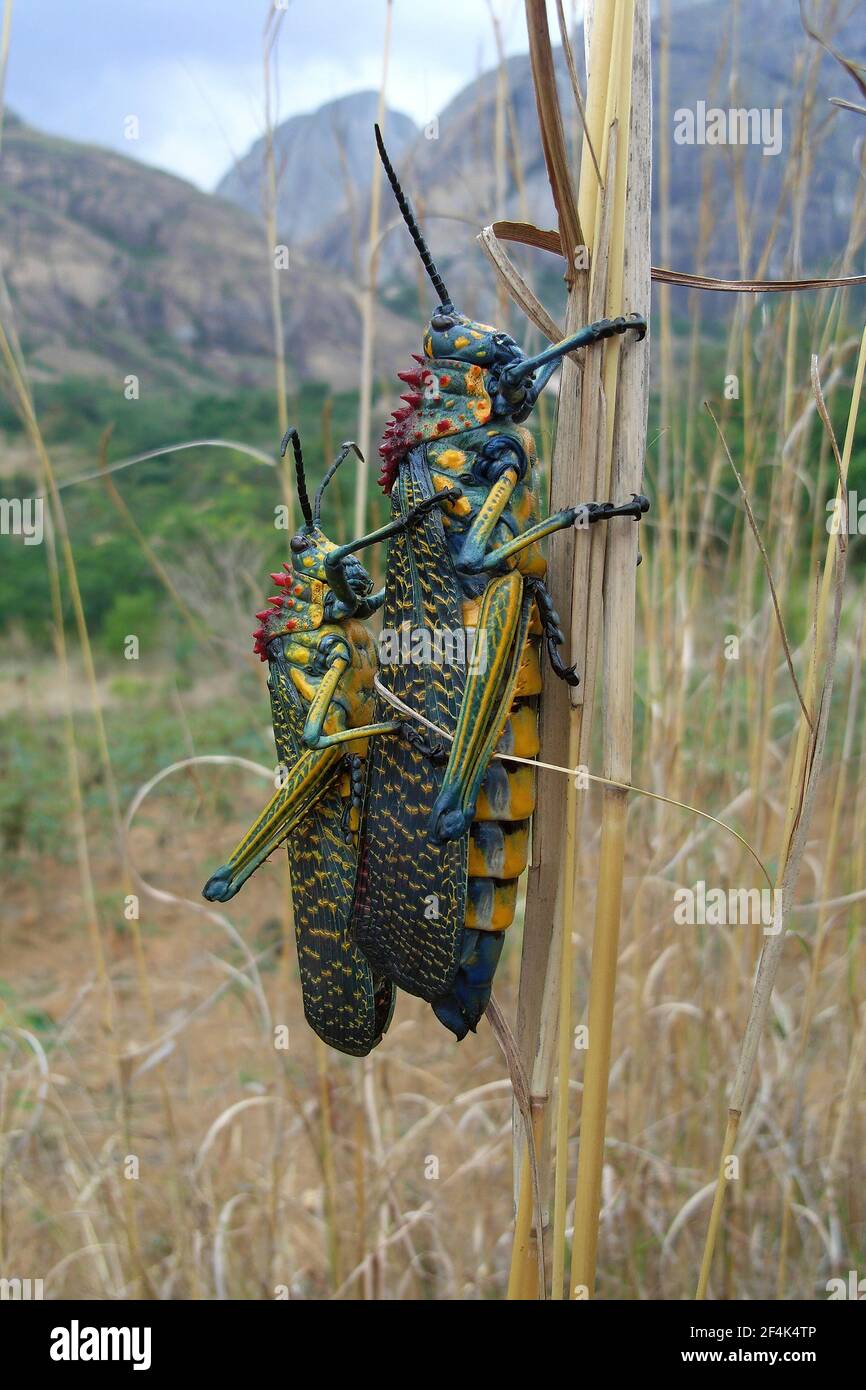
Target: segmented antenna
x=414 y=230
x=303 y=498
x=345 y=449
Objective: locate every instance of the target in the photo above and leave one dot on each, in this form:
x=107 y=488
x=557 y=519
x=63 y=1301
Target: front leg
x=368 y=606
x=335 y=558
x=339 y=661
x=352 y=812
x=586 y=514
x=432 y=750
x=472 y=552
x=388 y=726
x=314 y=735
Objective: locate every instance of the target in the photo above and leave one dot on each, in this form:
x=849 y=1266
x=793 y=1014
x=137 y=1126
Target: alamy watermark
x=701 y=906
x=22 y=516
x=737 y=126
x=21 y=1290
x=434 y=646
x=847 y=512
x=852 y=1287
x=77 y=1343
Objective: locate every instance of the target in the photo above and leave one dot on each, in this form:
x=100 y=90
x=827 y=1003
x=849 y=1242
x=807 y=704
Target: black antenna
x=299 y=471
x=414 y=230
x=345 y=449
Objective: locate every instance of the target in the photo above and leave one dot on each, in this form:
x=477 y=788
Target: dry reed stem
x=552 y=133
x=627 y=396
x=536 y=1022
x=575 y=85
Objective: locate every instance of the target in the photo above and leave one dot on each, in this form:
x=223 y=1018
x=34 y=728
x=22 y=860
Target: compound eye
x=298 y=543
x=442 y=322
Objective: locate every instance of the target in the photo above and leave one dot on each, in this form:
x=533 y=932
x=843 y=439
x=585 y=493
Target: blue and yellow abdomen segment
x=499 y=836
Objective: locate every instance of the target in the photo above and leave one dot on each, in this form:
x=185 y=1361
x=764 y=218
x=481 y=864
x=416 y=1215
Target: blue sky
x=191 y=70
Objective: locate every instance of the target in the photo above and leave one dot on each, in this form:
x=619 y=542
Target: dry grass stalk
x=756 y=532
x=583 y=415
x=536 y=1022
x=575 y=84
x=627 y=396
x=805 y=774
x=368 y=299
x=270 y=187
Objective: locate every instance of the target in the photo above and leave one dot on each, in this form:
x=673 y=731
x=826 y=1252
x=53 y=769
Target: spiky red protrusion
x=402 y=428
x=279 y=602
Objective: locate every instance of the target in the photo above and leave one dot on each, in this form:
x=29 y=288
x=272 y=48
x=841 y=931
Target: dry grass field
x=169 y=1127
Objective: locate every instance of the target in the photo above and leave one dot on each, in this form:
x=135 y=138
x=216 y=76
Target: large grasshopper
x=442 y=848
x=322 y=661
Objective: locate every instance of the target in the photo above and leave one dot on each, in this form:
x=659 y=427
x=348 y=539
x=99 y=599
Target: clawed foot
x=590 y=512
x=429 y=504
x=434 y=751
x=219 y=887
x=565 y=673
x=448 y=820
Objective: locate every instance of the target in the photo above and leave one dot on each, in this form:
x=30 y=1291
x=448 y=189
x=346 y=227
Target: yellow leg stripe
x=304 y=785
x=498 y=618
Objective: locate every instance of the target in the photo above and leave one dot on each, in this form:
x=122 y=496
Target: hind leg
x=504 y=620
x=553 y=637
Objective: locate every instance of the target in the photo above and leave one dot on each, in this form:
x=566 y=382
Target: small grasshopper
x=441 y=851
x=322 y=661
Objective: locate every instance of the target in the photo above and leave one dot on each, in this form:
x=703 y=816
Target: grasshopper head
x=310 y=548
x=451 y=336
x=306 y=600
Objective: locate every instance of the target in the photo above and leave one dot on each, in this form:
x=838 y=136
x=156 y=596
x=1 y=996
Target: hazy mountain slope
x=453 y=178
x=116 y=268
x=324 y=163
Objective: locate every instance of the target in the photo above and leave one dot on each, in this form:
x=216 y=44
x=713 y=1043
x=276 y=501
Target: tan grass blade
x=368 y=299
x=805 y=774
